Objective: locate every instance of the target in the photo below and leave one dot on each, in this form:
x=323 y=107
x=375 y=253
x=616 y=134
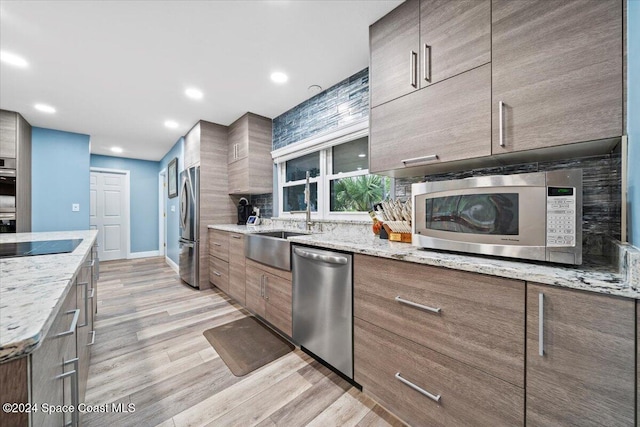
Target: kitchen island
x=47 y=306
x=33 y=288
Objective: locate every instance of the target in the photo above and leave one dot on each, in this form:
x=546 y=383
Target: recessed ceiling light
x=279 y=77
x=171 y=124
x=45 y=108
x=13 y=59
x=116 y=149
x=314 y=89
x=194 y=93
x=362 y=155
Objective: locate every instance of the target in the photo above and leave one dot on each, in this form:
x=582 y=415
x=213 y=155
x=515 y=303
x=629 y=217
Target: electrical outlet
x=75 y=207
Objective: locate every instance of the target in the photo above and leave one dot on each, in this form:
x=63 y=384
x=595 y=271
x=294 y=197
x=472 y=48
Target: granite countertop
x=33 y=288
x=251 y=229
x=591 y=276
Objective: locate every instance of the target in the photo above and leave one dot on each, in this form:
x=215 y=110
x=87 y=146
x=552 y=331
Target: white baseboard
x=172 y=264
x=148 y=254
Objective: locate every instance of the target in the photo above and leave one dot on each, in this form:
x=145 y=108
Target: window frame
x=322 y=144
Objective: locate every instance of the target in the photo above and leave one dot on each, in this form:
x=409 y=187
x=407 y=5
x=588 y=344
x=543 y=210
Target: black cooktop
x=43 y=247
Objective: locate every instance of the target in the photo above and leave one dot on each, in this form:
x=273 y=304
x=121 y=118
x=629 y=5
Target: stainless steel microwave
x=534 y=216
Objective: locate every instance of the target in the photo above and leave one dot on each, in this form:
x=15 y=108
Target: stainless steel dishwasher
x=323 y=305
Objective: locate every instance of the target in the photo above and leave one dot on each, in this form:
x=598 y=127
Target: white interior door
x=109 y=213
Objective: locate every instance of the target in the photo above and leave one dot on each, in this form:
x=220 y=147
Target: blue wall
x=173 y=225
x=60 y=177
x=143 y=195
x=633 y=117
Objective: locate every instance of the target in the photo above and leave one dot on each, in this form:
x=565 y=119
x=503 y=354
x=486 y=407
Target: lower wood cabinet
x=580 y=370
x=269 y=293
x=219 y=273
x=426 y=388
x=237 y=267
x=474 y=318
x=54 y=367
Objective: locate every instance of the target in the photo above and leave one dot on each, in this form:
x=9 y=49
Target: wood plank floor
x=150 y=352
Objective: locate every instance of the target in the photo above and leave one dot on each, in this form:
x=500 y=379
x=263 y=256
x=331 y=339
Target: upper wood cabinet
x=394 y=43
x=455 y=36
x=556 y=72
x=580 y=370
x=8 y=134
x=447 y=121
x=249 y=155
x=192 y=147
x=423 y=42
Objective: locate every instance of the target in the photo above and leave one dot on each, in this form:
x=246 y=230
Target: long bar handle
x=93 y=338
x=75 y=386
x=413 y=64
x=416 y=305
x=318 y=257
x=266 y=284
x=422 y=159
x=541 y=324
x=236 y=237
x=262 y=286
x=74 y=323
x=501 y=122
x=434 y=397
x=216 y=273
x=216 y=244
x=86 y=303
x=426 y=63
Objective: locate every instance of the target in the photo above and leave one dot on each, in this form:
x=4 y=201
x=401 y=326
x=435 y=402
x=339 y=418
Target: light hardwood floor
x=150 y=352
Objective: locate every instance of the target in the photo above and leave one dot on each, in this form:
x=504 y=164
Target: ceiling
x=117 y=70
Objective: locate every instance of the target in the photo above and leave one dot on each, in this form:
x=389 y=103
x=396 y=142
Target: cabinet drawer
x=219 y=273
x=467 y=395
x=450 y=120
x=219 y=244
x=480 y=322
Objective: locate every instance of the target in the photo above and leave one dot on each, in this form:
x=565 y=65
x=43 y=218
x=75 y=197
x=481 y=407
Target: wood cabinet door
x=450 y=120
x=557 y=67
x=394 y=48
x=8 y=133
x=255 y=301
x=192 y=147
x=85 y=325
x=237 y=278
x=219 y=273
x=585 y=375
x=455 y=36
x=278 y=294
x=239 y=177
x=238 y=139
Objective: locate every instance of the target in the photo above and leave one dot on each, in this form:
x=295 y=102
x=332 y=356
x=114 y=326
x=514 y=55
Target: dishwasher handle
x=318 y=257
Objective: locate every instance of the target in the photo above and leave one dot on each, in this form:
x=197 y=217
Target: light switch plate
x=75 y=207
x=173 y=208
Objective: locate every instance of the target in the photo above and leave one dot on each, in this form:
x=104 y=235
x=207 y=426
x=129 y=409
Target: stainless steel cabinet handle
x=216 y=244
x=216 y=273
x=262 y=286
x=318 y=257
x=426 y=63
x=429 y=158
x=266 y=283
x=86 y=303
x=434 y=397
x=413 y=65
x=93 y=338
x=93 y=291
x=541 y=324
x=236 y=237
x=74 y=323
x=416 y=305
x=500 y=122
x=75 y=386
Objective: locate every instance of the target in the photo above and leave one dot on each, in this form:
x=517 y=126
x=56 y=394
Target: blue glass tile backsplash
x=337 y=106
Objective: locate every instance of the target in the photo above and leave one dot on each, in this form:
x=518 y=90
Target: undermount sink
x=271 y=248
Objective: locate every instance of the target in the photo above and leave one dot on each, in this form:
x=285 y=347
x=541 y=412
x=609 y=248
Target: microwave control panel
x=561 y=217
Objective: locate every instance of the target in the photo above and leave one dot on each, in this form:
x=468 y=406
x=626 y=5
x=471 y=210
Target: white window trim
x=320 y=143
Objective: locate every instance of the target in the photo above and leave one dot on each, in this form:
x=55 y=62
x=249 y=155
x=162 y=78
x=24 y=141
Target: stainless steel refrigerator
x=189 y=226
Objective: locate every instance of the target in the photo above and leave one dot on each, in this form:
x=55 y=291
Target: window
x=341 y=186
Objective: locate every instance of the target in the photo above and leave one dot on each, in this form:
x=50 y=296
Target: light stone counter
x=33 y=288
x=358 y=239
